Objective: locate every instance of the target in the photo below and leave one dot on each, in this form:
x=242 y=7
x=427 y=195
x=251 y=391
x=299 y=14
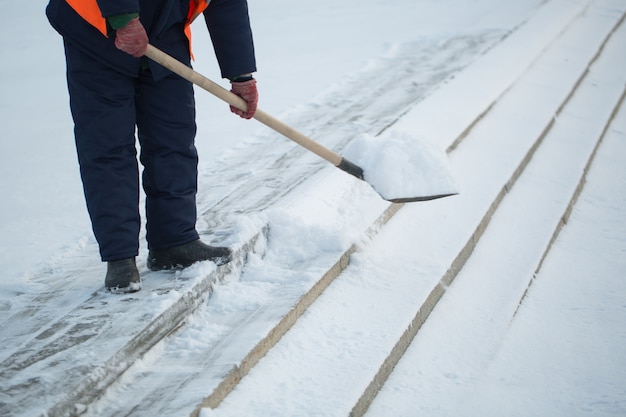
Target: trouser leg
x=166 y=131
x=103 y=109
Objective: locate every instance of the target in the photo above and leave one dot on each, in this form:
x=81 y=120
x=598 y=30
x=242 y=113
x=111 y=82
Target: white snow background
x=303 y=50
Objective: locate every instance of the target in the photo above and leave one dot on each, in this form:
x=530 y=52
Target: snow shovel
x=380 y=185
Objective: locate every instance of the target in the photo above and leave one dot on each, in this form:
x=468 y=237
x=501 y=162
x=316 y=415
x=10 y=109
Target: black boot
x=122 y=276
x=186 y=255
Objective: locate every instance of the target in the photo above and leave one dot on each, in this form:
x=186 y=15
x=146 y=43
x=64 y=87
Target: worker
x=116 y=93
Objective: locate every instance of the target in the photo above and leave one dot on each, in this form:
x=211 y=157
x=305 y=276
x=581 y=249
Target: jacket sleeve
x=116 y=7
x=229 y=25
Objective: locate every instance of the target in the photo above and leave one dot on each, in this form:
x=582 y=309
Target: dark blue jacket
x=164 y=20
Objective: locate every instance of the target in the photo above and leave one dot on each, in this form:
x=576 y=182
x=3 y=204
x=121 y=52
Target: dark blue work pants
x=107 y=106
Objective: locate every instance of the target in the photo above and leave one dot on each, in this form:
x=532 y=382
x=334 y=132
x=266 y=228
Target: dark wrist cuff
x=241 y=79
x=120 y=20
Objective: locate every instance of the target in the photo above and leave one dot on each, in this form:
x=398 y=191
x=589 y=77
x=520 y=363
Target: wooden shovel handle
x=201 y=81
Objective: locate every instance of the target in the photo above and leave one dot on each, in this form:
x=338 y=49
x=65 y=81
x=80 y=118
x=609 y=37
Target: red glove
x=132 y=38
x=247 y=91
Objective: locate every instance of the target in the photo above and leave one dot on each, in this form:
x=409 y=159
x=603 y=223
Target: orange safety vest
x=89 y=10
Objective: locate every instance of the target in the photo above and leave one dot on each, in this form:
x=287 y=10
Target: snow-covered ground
x=563 y=352
x=561 y=355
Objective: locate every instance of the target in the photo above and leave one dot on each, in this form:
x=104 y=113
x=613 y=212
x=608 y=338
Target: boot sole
x=133 y=287
x=173 y=266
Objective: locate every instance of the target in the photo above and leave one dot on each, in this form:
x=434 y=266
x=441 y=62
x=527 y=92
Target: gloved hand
x=132 y=38
x=247 y=91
